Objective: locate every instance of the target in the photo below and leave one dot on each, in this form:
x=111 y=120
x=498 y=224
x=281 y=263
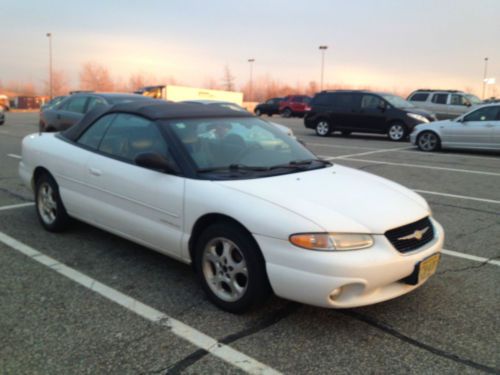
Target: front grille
x=410 y=244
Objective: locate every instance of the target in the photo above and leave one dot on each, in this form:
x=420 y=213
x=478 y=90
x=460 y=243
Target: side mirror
x=155 y=161
x=468 y=104
x=382 y=106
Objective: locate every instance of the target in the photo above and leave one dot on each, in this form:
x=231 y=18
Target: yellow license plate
x=427 y=267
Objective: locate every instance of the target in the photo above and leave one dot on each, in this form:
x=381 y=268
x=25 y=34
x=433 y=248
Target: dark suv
x=269 y=107
x=294 y=105
x=364 y=112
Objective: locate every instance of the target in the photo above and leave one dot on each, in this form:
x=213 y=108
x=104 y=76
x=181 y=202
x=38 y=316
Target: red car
x=294 y=105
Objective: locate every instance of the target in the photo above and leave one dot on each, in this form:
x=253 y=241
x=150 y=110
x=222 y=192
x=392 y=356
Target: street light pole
x=49 y=35
x=322 y=49
x=484 y=78
x=250 y=95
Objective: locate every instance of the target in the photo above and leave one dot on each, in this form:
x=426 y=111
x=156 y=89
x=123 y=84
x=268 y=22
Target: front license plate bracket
x=423 y=270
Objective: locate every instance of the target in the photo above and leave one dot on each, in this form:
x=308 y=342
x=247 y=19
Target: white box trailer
x=181 y=93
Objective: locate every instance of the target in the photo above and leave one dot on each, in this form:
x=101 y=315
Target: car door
x=343 y=108
x=439 y=105
x=372 y=114
x=141 y=204
x=496 y=131
x=70 y=112
x=476 y=128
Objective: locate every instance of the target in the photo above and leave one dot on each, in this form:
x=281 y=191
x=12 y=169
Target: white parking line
x=449 y=154
x=14 y=206
x=14 y=156
x=424 y=166
x=484 y=200
x=178 y=328
x=471 y=257
x=371 y=152
x=340 y=146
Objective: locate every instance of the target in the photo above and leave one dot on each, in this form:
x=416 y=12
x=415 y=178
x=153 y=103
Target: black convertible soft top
x=153 y=110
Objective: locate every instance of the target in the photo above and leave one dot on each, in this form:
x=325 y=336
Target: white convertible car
x=251 y=208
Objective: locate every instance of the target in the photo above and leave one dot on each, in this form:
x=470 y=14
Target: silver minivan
x=445 y=104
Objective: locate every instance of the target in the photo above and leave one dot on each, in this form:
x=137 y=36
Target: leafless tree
x=60 y=85
x=228 y=79
x=95 y=77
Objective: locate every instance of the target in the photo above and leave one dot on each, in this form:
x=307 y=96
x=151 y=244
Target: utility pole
x=250 y=95
x=484 y=78
x=322 y=49
x=49 y=35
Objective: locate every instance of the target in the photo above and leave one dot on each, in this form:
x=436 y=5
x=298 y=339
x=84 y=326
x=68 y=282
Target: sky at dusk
x=387 y=44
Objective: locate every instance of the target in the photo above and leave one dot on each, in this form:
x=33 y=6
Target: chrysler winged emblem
x=418 y=234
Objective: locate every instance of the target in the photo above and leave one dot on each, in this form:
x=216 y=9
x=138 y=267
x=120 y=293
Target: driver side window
x=483 y=114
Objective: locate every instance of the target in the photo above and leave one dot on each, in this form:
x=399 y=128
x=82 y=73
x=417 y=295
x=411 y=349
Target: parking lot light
x=49 y=35
x=322 y=49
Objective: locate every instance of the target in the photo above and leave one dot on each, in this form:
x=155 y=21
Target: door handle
x=95 y=172
x=58 y=117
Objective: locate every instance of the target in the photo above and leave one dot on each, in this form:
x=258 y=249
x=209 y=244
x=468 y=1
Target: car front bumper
x=413 y=137
x=343 y=279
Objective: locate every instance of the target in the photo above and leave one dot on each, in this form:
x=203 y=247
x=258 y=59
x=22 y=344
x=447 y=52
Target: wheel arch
x=205 y=221
x=37 y=173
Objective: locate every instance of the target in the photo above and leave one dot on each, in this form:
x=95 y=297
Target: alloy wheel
x=396 y=132
x=225 y=269
x=428 y=141
x=323 y=128
x=47 y=204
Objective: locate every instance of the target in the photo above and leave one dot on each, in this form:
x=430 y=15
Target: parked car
x=364 y=112
x=71 y=109
x=294 y=105
x=269 y=107
x=236 y=107
x=253 y=213
x=477 y=129
x=2 y=116
x=444 y=103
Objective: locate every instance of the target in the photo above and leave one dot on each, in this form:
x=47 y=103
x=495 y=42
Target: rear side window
x=323 y=99
x=93 y=135
x=419 y=97
x=130 y=135
x=343 y=101
x=77 y=104
x=440 y=98
x=483 y=114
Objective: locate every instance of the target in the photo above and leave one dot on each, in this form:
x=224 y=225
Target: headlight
x=417 y=117
x=332 y=241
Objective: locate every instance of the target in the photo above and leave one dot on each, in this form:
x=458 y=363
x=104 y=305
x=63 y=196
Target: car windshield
x=241 y=148
x=473 y=99
x=397 y=101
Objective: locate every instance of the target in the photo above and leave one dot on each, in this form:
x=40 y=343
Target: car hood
x=339 y=199
x=418 y=111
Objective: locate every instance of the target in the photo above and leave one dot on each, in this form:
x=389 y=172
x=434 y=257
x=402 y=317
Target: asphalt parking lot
x=86 y=301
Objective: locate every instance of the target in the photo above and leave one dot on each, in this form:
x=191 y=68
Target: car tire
x=49 y=206
x=428 y=141
x=230 y=268
x=258 y=112
x=287 y=112
x=323 y=128
x=397 y=132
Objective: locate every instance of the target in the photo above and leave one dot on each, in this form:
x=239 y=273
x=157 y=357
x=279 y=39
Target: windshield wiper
x=300 y=164
x=233 y=168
